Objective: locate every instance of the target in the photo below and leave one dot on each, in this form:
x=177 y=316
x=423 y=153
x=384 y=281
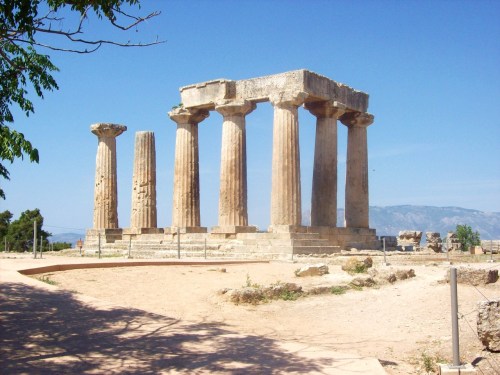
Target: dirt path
x=399 y=324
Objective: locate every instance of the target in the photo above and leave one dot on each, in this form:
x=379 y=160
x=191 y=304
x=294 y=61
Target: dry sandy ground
x=400 y=324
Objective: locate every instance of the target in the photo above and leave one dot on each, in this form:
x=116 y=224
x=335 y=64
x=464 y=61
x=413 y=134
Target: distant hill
x=391 y=219
x=67 y=237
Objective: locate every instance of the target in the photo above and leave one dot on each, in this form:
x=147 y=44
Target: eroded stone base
x=244 y=242
x=106 y=236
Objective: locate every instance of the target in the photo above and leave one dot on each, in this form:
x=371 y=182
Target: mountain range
x=391 y=219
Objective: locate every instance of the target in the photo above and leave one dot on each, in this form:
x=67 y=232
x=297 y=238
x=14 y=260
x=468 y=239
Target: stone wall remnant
x=433 y=241
x=410 y=238
x=452 y=243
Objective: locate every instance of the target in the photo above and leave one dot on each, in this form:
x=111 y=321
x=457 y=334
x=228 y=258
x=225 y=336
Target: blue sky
x=431 y=68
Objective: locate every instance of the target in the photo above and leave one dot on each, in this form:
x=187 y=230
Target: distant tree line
x=18 y=235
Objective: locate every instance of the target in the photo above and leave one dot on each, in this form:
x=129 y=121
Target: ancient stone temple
x=329 y=102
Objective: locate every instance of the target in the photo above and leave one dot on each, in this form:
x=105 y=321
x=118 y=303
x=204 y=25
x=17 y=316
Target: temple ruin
x=324 y=98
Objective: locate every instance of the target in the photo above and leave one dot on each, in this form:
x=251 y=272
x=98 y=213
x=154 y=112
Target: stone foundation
x=158 y=243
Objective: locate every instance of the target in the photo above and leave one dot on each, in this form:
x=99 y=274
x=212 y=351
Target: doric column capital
x=357 y=119
x=188 y=116
x=107 y=130
x=235 y=107
x=329 y=108
x=286 y=99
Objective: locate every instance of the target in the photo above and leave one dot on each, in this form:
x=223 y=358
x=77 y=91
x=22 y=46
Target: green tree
x=24 y=27
x=20 y=233
x=57 y=246
x=467 y=237
x=5 y=218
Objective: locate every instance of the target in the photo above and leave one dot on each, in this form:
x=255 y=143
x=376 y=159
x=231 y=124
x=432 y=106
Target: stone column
x=105 y=191
x=233 y=213
x=356 y=186
x=186 y=205
x=285 y=192
x=143 y=213
x=324 y=184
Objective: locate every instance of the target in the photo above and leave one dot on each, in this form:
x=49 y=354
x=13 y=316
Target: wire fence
x=466 y=325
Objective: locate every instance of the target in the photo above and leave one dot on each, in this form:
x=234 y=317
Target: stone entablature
x=315 y=87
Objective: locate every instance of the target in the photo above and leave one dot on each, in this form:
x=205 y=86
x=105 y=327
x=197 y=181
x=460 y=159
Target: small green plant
x=355 y=287
x=289 y=295
x=359 y=268
x=250 y=284
x=354 y=265
x=428 y=362
x=46 y=280
x=338 y=289
x=180 y=105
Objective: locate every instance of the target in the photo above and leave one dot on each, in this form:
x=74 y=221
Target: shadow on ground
x=49 y=332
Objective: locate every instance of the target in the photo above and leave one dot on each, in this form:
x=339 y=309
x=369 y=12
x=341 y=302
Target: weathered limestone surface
x=488 y=324
x=356 y=188
x=452 y=242
x=143 y=213
x=105 y=190
x=433 y=241
x=324 y=185
x=285 y=190
x=318 y=88
x=233 y=210
x=186 y=205
x=409 y=238
x=319 y=269
x=475 y=276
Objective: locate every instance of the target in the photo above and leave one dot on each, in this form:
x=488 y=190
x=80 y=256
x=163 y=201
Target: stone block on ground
x=488 y=324
x=354 y=265
x=476 y=277
x=312 y=270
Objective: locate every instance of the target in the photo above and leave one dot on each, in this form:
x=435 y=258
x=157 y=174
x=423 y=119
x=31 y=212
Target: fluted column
x=143 y=213
x=324 y=184
x=105 y=190
x=233 y=212
x=186 y=205
x=285 y=191
x=356 y=187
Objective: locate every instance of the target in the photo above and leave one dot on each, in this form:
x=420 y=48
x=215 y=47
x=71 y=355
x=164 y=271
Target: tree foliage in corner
x=467 y=237
x=22 y=67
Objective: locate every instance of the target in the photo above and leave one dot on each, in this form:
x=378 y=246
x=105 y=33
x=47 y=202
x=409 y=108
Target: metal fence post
x=99 y=244
x=129 y=246
x=34 y=239
x=41 y=246
x=454 y=317
x=205 y=248
x=385 y=259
